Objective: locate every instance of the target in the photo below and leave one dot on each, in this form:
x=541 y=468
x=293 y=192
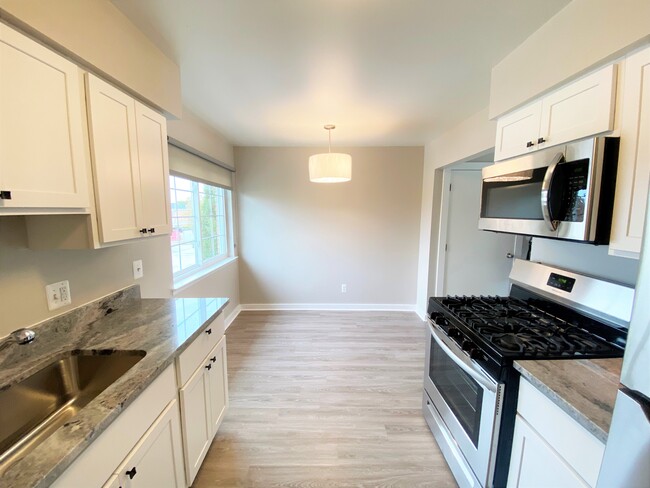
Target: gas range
x=496 y=330
x=470 y=384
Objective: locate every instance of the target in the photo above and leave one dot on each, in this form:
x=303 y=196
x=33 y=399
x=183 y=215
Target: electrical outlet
x=344 y=288
x=58 y=295
x=138 y=271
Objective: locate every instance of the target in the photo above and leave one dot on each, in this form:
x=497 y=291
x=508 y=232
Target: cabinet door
x=114 y=482
x=517 y=132
x=196 y=421
x=581 y=109
x=634 y=158
x=218 y=376
x=157 y=459
x=42 y=152
x=535 y=464
x=154 y=169
x=115 y=161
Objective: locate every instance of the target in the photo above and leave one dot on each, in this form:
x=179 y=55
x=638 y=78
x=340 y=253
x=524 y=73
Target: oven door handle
x=551 y=223
x=464 y=363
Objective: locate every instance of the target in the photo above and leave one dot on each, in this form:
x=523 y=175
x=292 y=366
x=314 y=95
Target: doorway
x=470 y=261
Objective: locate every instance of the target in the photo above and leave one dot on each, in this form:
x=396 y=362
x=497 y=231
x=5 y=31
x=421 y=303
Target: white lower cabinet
x=204 y=399
x=535 y=464
x=550 y=449
x=157 y=460
x=145 y=434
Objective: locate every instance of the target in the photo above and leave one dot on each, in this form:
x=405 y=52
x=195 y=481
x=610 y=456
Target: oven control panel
x=560 y=282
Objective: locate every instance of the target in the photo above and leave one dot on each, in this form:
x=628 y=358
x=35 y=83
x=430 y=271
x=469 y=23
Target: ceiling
x=386 y=72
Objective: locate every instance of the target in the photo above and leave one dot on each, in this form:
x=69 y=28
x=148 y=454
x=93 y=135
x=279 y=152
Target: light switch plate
x=138 y=271
x=58 y=295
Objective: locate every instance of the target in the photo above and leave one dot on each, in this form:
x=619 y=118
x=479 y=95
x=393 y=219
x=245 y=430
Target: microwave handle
x=546 y=192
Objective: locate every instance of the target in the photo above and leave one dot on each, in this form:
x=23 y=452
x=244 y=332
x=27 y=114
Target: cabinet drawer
x=195 y=354
x=581 y=450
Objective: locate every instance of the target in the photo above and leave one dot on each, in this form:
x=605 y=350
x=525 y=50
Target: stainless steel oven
x=462 y=405
x=565 y=192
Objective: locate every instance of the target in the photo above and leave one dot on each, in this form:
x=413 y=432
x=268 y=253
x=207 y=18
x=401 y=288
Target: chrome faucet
x=19 y=336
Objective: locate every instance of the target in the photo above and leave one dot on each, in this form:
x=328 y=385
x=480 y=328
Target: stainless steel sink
x=33 y=409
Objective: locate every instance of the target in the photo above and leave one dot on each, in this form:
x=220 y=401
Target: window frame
x=201 y=265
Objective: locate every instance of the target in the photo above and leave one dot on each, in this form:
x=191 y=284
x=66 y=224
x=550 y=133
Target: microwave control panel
x=575 y=176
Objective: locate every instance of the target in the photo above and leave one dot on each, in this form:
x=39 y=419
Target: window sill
x=188 y=281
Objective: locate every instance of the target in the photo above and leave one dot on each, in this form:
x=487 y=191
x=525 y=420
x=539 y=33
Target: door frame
x=441 y=254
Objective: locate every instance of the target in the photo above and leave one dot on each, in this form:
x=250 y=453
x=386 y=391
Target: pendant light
x=330 y=167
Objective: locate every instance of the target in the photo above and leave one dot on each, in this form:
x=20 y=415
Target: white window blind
x=184 y=163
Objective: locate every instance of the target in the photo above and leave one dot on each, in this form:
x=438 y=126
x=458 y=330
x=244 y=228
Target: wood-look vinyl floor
x=325 y=399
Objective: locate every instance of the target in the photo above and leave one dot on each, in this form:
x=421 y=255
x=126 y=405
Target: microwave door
x=511 y=200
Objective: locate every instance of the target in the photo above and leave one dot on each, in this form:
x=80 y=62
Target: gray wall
x=91 y=273
x=299 y=241
x=585 y=259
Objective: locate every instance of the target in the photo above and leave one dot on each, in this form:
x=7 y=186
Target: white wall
x=581 y=36
x=472 y=137
x=91 y=273
x=299 y=241
x=96 y=34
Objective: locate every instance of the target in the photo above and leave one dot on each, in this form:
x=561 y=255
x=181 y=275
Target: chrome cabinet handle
x=551 y=223
x=463 y=363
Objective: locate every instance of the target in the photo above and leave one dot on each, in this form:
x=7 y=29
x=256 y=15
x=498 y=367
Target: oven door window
x=463 y=395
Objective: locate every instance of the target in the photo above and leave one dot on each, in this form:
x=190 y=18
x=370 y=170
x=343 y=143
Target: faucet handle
x=23 y=336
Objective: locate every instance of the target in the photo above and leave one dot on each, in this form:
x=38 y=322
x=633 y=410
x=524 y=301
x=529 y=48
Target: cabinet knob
x=530 y=144
x=209 y=331
x=208 y=367
x=213 y=359
x=5 y=195
x=541 y=140
x=131 y=473
x=143 y=231
x=152 y=230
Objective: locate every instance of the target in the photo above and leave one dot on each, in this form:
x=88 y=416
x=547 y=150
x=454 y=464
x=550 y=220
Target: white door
x=157 y=459
x=475 y=261
x=197 y=421
x=113 y=142
x=154 y=170
x=535 y=464
x=517 y=132
x=42 y=152
x=218 y=376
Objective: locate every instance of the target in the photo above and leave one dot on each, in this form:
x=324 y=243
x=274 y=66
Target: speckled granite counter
x=585 y=389
x=162 y=328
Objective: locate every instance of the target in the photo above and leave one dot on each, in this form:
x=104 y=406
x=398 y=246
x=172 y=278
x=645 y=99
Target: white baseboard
x=366 y=307
x=233 y=315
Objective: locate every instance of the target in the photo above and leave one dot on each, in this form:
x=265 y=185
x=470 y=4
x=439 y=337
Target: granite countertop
x=585 y=389
x=162 y=328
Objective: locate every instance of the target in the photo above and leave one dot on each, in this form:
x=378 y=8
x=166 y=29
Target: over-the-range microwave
x=564 y=192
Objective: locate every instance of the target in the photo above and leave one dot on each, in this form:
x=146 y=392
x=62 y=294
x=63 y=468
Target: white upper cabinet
x=517 y=132
x=634 y=158
x=130 y=164
x=43 y=156
x=580 y=109
x=154 y=169
x=113 y=140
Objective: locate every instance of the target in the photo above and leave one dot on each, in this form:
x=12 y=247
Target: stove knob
x=475 y=353
x=467 y=345
x=454 y=332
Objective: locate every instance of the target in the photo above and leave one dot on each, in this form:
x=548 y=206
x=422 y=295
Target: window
x=200 y=225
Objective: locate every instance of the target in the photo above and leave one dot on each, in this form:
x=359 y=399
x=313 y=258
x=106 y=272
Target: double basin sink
x=36 y=407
